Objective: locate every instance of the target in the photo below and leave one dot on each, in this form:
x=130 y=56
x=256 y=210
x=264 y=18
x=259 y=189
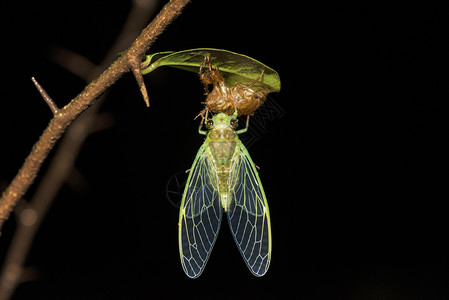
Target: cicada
x=246 y=99
x=223 y=178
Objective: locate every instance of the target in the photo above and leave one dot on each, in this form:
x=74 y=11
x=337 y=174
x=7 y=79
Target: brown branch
x=33 y=213
x=86 y=98
x=61 y=168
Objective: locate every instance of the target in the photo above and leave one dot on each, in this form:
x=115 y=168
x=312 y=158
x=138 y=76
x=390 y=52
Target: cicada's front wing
x=248 y=214
x=200 y=215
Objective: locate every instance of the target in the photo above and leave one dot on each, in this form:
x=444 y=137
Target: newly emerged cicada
x=223 y=178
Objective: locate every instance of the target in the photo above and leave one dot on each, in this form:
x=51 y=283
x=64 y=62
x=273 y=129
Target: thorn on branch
x=54 y=109
x=135 y=68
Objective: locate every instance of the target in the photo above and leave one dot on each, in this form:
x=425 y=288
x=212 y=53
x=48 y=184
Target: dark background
x=351 y=162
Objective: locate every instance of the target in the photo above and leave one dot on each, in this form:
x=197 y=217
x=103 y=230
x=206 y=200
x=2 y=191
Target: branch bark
x=66 y=115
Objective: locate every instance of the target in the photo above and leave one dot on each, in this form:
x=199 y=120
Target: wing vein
x=200 y=215
x=248 y=215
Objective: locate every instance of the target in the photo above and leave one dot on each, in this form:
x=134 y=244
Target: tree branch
x=61 y=168
x=66 y=115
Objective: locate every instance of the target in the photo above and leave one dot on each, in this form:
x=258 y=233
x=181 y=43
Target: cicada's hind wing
x=200 y=215
x=248 y=214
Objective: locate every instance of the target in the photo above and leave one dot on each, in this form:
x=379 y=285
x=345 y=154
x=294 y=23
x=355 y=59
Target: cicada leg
x=244 y=129
x=257 y=79
x=205 y=79
x=204 y=113
x=206 y=60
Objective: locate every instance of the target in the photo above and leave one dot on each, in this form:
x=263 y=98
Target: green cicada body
x=223 y=177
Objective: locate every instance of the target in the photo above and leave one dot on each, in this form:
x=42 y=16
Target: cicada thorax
x=223 y=144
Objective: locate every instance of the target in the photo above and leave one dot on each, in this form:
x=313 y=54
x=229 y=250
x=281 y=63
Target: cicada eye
x=234 y=123
x=209 y=124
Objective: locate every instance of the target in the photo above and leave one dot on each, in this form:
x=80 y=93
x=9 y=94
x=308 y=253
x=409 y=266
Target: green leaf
x=153 y=57
x=236 y=68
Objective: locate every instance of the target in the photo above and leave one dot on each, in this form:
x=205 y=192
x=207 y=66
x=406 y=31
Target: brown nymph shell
x=245 y=98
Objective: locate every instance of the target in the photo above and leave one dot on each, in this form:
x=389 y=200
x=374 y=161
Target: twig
x=86 y=98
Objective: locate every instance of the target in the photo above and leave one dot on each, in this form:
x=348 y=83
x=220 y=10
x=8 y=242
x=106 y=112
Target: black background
x=351 y=165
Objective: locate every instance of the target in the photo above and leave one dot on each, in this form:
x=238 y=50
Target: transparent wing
x=248 y=214
x=200 y=214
